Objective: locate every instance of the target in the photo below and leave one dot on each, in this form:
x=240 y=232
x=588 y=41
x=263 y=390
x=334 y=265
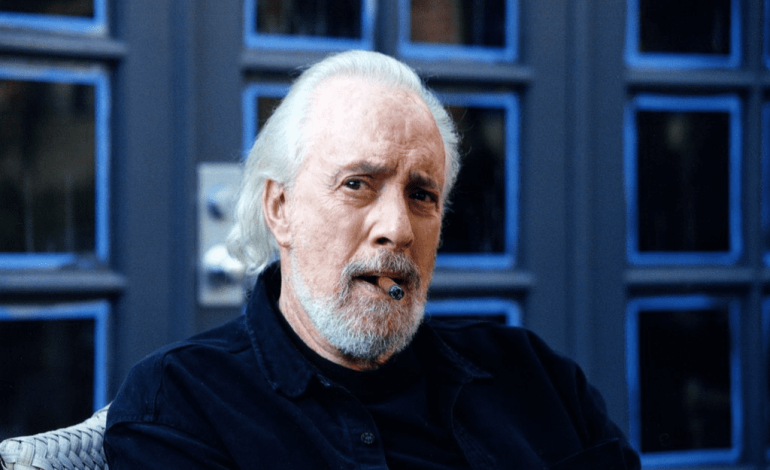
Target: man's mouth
x=385 y=284
x=392 y=274
x=374 y=279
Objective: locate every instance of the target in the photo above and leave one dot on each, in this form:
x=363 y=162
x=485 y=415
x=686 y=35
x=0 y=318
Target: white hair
x=279 y=150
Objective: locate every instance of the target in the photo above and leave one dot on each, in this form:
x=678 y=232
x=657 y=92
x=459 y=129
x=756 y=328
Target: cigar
x=389 y=285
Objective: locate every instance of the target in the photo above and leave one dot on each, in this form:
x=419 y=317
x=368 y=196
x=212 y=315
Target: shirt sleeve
x=600 y=435
x=140 y=445
x=155 y=422
x=600 y=427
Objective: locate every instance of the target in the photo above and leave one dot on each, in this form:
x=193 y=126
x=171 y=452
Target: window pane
x=465 y=22
x=329 y=18
x=46 y=374
x=265 y=107
x=685 y=376
x=476 y=219
x=47 y=167
x=683 y=181
x=76 y=8
x=685 y=26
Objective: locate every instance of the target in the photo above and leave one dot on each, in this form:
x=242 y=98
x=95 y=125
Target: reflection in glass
x=685 y=26
x=475 y=221
x=328 y=18
x=265 y=107
x=46 y=374
x=683 y=181
x=47 y=167
x=464 y=22
x=76 y=8
x=684 y=363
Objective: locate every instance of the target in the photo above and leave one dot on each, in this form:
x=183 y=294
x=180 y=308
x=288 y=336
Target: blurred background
x=615 y=196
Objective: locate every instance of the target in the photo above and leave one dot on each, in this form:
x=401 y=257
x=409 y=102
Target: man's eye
x=354 y=184
x=424 y=196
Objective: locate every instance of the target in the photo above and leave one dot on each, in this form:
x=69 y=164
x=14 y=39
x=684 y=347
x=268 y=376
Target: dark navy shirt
x=398 y=397
x=245 y=396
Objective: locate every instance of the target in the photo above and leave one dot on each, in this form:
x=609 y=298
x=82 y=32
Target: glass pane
x=47 y=163
x=465 y=22
x=481 y=184
x=684 y=363
x=683 y=181
x=46 y=374
x=329 y=18
x=265 y=107
x=684 y=26
x=78 y=8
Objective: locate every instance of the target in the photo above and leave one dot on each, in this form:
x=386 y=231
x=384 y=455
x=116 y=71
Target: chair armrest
x=72 y=448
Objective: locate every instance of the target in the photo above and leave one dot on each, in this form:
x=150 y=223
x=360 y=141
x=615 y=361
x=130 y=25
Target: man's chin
x=375 y=349
x=375 y=326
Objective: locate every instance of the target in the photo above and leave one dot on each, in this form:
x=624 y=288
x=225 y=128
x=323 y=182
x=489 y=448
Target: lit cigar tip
x=396 y=292
x=389 y=285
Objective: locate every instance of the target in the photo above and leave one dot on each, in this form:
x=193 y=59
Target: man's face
x=366 y=205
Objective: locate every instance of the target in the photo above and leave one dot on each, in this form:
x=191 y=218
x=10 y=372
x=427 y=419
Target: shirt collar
x=283 y=366
x=288 y=371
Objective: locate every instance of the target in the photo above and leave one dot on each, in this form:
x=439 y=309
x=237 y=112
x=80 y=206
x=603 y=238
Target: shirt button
x=367 y=438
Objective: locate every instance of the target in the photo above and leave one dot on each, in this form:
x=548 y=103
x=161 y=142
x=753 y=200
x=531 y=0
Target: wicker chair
x=77 y=447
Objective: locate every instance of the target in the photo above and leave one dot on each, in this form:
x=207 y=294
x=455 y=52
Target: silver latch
x=221 y=278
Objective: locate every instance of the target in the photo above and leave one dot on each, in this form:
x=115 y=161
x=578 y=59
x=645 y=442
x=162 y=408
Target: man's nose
x=392 y=224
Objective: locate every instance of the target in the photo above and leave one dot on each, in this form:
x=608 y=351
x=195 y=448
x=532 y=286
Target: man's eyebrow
x=366 y=168
x=421 y=180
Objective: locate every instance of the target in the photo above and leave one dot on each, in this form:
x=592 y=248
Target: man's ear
x=276 y=211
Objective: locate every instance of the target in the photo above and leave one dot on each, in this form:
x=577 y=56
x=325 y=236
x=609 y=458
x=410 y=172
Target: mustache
x=396 y=265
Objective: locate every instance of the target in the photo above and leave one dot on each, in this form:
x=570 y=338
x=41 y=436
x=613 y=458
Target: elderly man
x=330 y=366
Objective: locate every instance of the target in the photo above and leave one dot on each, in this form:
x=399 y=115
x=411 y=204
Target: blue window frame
x=254 y=38
x=640 y=349
x=729 y=107
x=254 y=111
x=766 y=181
x=487 y=308
x=766 y=35
x=766 y=362
x=507 y=52
x=503 y=257
x=95 y=77
x=96 y=24
x=636 y=57
x=48 y=349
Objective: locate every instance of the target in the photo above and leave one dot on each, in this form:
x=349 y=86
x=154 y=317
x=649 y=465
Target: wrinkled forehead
x=358 y=90
x=353 y=103
x=357 y=106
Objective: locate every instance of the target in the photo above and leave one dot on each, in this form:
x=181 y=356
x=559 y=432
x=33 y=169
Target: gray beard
x=364 y=328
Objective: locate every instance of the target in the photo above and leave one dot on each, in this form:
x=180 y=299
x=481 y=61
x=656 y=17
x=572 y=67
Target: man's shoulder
x=202 y=361
x=486 y=335
x=227 y=339
x=492 y=345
